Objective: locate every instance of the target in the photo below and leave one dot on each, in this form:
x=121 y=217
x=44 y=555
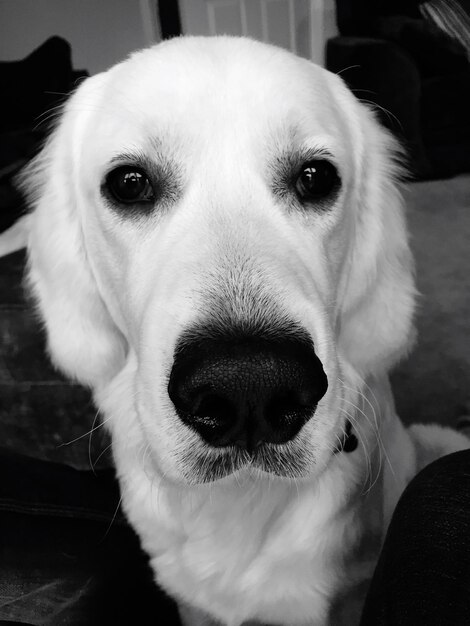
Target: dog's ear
x=83 y=340
x=379 y=291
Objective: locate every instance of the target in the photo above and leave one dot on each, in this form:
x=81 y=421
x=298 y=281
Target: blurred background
x=408 y=60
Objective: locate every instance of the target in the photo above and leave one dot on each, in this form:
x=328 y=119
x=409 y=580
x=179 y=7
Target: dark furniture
x=33 y=90
x=416 y=76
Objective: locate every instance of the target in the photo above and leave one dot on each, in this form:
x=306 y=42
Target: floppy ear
x=83 y=340
x=378 y=307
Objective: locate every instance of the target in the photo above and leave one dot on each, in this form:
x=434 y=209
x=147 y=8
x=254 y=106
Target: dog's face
x=217 y=218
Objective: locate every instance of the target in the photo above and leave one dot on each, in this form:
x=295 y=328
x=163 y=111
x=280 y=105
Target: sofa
x=413 y=73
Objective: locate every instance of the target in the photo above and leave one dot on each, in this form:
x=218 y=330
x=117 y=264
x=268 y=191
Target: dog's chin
x=288 y=461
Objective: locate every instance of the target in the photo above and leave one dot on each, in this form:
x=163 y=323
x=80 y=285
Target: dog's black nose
x=246 y=391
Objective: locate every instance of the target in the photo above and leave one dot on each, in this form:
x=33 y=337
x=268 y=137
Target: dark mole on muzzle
x=241 y=387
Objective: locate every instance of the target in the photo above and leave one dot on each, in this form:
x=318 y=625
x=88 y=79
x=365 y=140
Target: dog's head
x=217 y=227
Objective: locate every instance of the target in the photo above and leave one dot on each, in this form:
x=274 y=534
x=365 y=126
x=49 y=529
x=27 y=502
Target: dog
x=217 y=247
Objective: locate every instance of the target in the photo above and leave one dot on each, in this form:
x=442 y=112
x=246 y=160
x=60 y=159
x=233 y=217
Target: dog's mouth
x=292 y=460
x=285 y=461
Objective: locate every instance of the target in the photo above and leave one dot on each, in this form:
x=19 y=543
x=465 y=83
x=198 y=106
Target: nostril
x=199 y=403
x=213 y=405
x=212 y=415
x=286 y=403
x=287 y=411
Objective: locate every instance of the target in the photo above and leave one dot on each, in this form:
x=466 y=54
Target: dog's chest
x=274 y=555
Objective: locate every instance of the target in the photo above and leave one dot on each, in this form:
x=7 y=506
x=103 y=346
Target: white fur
x=115 y=294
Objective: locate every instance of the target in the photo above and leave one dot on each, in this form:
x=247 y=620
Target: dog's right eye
x=316 y=180
x=130 y=185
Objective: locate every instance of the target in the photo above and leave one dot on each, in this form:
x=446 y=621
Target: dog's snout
x=247 y=391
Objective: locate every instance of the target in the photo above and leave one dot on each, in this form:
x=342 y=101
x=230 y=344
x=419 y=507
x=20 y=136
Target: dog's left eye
x=316 y=180
x=130 y=185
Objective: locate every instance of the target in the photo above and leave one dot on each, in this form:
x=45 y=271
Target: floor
x=433 y=384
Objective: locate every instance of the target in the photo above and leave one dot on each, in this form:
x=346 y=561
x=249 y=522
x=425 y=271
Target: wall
x=101 y=32
x=302 y=26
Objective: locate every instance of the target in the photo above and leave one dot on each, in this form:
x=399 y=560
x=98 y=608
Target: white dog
x=218 y=249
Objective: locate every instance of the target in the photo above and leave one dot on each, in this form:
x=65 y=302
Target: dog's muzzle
x=245 y=391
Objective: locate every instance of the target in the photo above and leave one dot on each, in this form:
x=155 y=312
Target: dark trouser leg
x=67 y=556
x=423 y=574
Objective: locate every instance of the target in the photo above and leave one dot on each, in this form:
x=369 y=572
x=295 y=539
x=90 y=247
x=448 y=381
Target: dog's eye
x=130 y=185
x=316 y=180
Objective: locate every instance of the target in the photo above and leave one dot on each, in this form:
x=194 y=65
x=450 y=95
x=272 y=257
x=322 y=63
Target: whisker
x=350 y=67
x=389 y=114
x=99 y=457
x=374 y=428
x=102 y=423
x=112 y=519
x=362 y=441
x=383 y=454
x=89 y=440
x=384 y=450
